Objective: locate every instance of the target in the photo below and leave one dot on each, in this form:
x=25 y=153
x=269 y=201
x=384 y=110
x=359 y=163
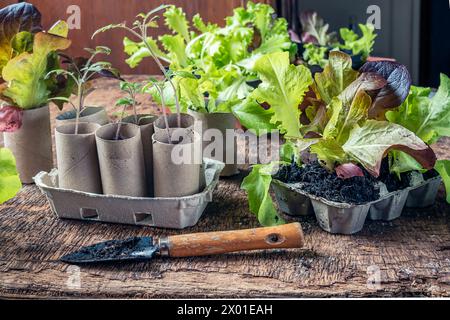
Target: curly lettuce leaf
x=283 y=88
x=336 y=76
x=428 y=118
x=26 y=73
x=369 y=143
x=315 y=55
x=359 y=45
x=262 y=17
x=176 y=48
x=201 y=26
x=9 y=178
x=175 y=19
x=443 y=167
x=13 y=20
x=257 y=185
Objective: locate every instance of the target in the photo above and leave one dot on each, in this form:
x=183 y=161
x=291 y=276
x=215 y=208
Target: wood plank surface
x=411 y=253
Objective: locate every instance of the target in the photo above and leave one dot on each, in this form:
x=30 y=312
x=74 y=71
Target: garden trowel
x=189 y=245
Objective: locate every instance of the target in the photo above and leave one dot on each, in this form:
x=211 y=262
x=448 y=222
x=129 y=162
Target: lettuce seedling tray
x=175 y=213
x=346 y=218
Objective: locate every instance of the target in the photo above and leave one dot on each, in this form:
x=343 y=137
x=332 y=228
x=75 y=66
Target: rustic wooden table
x=412 y=253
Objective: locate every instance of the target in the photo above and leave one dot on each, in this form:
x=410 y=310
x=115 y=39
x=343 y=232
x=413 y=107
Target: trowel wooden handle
x=209 y=243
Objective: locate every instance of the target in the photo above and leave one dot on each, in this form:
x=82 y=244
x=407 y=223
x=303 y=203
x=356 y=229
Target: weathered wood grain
x=412 y=253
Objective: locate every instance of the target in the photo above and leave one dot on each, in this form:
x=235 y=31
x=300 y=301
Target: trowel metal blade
x=131 y=249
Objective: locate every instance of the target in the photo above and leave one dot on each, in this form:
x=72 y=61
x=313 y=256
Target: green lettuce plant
x=429 y=119
x=206 y=60
x=344 y=123
x=318 y=41
x=27 y=54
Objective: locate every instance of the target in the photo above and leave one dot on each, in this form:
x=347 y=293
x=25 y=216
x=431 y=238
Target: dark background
x=414 y=32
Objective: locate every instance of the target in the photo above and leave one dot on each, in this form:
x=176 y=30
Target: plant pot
x=291 y=201
x=187 y=121
x=221 y=122
x=425 y=194
x=390 y=207
x=172 y=179
x=89 y=114
x=32 y=143
x=77 y=158
x=122 y=166
x=341 y=218
x=145 y=123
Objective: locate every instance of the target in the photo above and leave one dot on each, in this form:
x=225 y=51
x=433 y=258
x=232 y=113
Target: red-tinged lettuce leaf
x=14 y=19
x=343 y=117
x=371 y=142
x=396 y=90
x=10 y=118
x=336 y=76
x=315 y=30
x=369 y=82
x=348 y=170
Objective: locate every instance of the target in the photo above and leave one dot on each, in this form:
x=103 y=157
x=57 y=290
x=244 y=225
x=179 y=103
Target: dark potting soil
x=319 y=182
x=392 y=182
x=430 y=174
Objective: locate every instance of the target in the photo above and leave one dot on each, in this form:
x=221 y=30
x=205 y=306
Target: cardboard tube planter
x=32 y=144
x=77 y=158
x=224 y=148
x=145 y=123
x=172 y=177
x=187 y=121
x=122 y=167
x=89 y=114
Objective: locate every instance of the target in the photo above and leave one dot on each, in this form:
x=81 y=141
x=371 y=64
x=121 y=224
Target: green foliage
x=257 y=185
x=315 y=55
x=443 y=167
x=26 y=73
x=283 y=88
x=359 y=45
x=9 y=178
